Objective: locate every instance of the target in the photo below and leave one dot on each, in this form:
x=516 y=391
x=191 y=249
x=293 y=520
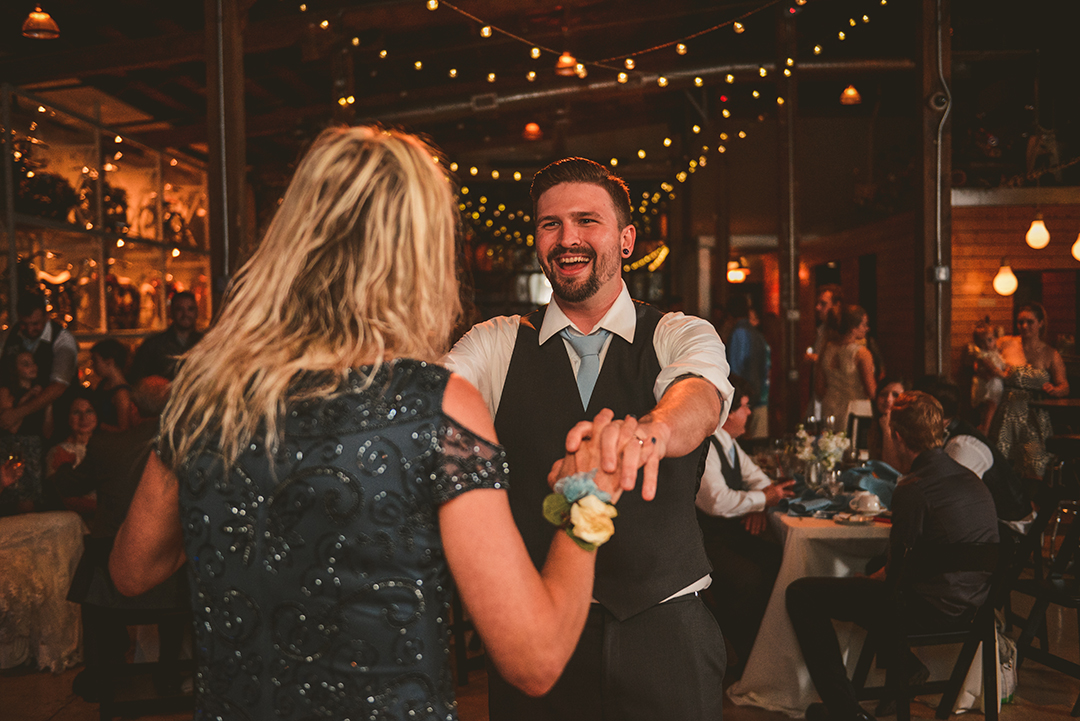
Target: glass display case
x=105 y=227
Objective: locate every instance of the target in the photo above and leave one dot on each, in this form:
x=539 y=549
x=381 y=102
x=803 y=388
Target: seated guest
x=734 y=494
x=26 y=437
x=81 y=421
x=936 y=502
x=20 y=387
x=112 y=395
x=887 y=393
x=971 y=449
x=112 y=467
x=159 y=354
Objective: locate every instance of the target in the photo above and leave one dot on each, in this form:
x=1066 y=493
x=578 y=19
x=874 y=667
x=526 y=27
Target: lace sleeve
x=466 y=462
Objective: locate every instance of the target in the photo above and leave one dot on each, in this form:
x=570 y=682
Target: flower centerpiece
x=819 y=453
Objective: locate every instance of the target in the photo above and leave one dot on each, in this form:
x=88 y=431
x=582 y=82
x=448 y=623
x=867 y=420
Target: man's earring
x=626 y=252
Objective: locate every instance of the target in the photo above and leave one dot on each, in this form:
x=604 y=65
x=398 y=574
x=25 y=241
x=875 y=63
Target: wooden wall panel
x=981 y=237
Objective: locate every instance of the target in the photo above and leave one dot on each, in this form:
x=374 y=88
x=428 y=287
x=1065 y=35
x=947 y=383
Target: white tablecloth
x=38 y=556
x=776 y=677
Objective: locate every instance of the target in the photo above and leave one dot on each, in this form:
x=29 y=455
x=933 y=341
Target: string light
x=432 y=4
x=629 y=63
x=696 y=129
x=491 y=77
x=667 y=142
x=530 y=76
x=641 y=154
x=418 y=65
x=729 y=78
x=382 y=54
x=356 y=42
x=535 y=53
x=485 y=32
x=623 y=77
x=453 y=72
x=680 y=49
x=738 y=27
x=662 y=81
x=698 y=82
x=324 y=24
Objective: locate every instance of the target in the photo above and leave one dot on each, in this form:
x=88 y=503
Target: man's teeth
x=573 y=259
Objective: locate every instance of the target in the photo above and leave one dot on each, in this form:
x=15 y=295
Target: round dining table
x=776 y=677
x=38 y=556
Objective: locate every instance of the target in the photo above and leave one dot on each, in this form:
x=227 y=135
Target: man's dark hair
x=917 y=419
x=946 y=392
x=28 y=303
x=111 y=349
x=836 y=292
x=743 y=389
x=181 y=295
x=581 y=170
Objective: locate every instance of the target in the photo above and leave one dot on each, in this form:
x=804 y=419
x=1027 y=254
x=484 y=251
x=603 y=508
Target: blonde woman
x=320 y=475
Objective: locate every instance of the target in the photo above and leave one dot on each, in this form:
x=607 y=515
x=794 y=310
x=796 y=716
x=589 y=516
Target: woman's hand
x=607 y=445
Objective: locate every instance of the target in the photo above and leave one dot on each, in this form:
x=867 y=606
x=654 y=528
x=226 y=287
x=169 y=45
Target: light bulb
x=1005 y=281
x=736 y=275
x=1038 y=237
x=1076 y=248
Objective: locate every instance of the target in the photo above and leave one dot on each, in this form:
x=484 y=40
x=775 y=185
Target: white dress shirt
x=65 y=351
x=683 y=344
x=971 y=453
x=716 y=498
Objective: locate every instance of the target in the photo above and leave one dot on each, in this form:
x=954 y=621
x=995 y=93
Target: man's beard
x=578 y=289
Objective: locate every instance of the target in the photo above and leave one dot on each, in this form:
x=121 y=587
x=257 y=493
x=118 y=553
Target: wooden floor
x=1042 y=694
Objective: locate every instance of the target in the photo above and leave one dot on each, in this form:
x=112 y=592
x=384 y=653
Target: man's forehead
x=825 y=297
x=567 y=198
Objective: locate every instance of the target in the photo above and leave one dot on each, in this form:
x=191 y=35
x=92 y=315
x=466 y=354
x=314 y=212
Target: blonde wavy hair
x=356 y=268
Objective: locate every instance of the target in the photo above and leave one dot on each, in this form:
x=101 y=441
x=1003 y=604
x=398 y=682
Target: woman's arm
x=864 y=363
x=530 y=621
x=1059 y=380
x=125 y=409
x=149 y=546
x=820 y=384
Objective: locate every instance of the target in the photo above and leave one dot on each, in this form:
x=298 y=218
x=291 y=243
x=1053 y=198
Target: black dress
x=319 y=582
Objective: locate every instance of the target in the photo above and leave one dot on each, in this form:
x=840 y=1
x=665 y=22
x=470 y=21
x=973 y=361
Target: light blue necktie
x=731 y=453
x=588 y=349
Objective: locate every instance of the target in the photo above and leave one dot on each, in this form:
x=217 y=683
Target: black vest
x=732 y=473
x=43 y=356
x=1010 y=499
x=657 y=548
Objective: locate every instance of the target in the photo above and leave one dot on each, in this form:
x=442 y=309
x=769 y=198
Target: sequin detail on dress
x=319 y=582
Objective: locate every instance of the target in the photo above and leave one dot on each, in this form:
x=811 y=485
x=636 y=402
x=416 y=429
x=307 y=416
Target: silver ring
x=641 y=441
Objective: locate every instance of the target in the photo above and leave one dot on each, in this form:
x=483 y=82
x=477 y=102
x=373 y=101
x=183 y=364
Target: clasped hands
x=617 y=449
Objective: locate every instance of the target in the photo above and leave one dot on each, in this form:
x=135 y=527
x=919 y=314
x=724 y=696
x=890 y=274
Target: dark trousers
x=744 y=570
x=664 y=663
x=813 y=603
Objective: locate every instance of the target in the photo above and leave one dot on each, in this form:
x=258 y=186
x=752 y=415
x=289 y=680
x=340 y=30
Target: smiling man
x=650 y=649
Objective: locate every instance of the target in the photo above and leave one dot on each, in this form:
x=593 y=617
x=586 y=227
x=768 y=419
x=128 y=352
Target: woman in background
x=321 y=475
x=845 y=373
x=1035 y=371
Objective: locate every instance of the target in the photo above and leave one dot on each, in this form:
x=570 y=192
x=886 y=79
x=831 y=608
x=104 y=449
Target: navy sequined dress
x=319 y=582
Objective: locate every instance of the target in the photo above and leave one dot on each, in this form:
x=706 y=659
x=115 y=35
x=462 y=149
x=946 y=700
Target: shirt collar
x=726 y=441
x=32 y=344
x=620 y=319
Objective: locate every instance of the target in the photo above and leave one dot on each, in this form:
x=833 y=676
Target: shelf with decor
x=104 y=226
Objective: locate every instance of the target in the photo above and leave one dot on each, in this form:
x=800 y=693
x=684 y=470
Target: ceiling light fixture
x=566 y=64
x=850 y=96
x=1005 y=282
x=39 y=25
x=1038 y=237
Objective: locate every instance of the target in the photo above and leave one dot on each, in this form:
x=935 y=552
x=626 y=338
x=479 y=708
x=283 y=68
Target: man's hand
x=606 y=445
x=755 y=523
x=11 y=419
x=777 y=492
x=11 y=472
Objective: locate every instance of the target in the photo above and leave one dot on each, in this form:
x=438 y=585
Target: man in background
x=733 y=500
x=54 y=349
x=937 y=503
x=159 y=354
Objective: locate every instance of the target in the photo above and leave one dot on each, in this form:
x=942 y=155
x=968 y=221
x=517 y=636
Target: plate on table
x=854 y=519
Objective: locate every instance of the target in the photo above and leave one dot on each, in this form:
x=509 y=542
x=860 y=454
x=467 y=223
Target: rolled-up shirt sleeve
x=686 y=345
x=65 y=358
